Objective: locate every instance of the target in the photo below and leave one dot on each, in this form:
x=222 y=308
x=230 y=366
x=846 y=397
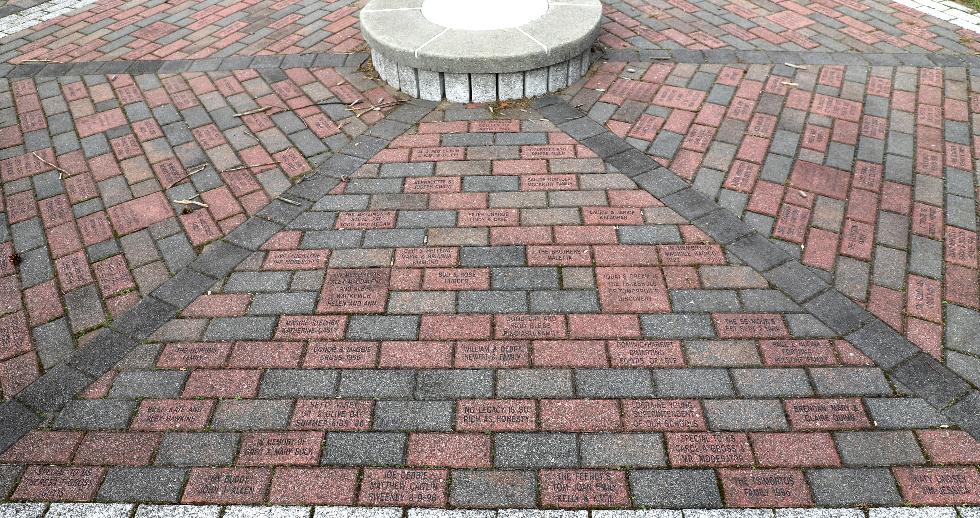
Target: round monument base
x=480 y=50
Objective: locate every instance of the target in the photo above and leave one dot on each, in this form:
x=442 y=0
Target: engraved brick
x=584 y=489
x=496 y=415
x=354 y=291
x=172 y=415
x=226 y=486
x=750 y=325
x=709 y=449
x=765 y=488
x=404 y=487
x=669 y=415
x=826 y=414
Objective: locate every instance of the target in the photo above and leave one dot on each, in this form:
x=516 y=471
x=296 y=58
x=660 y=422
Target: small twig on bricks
x=247 y=166
x=798 y=67
x=788 y=83
x=190 y=172
x=287 y=200
x=61 y=172
x=252 y=112
x=39 y=61
x=191 y=201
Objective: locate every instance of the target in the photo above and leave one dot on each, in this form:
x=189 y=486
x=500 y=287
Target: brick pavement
x=377 y=303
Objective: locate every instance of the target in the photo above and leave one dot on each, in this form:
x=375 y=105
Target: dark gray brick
x=903 y=413
x=745 y=414
x=535 y=450
x=142 y=484
x=388 y=327
x=613 y=383
x=298 y=383
x=454 y=384
x=364 y=449
x=534 y=383
x=771 y=382
x=493 y=489
x=615 y=450
x=197 y=449
x=677 y=326
x=413 y=415
x=378 y=384
x=850 y=381
x=675 y=488
x=853 y=487
x=95 y=414
x=692 y=383
x=258 y=414
x=147 y=384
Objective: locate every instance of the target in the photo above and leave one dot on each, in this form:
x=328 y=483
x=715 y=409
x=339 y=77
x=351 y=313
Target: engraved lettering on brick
x=307 y=327
x=559 y=256
x=709 y=449
x=632 y=290
x=681 y=98
x=426 y=257
x=488 y=217
x=354 y=290
x=612 y=216
x=765 y=488
x=690 y=255
x=645 y=353
x=498 y=415
x=172 y=415
x=548 y=182
x=488 y=354
x=432 y=184
x=530 y=326
x=826 y=414
x=750 y=325
x=341 y=354
x=670 y=415
x=797 y=353
x=437 y=154
x=366 y=219
x=583 y=488
x=405 y=487
x=331 y=415
x=278 y=448
x=296 y=259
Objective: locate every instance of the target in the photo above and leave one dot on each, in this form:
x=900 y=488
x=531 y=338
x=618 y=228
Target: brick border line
x=904 y=362
x=52 y=510
x=354 y=60
x=770 y=57
x=59 y=384
x=177 y=66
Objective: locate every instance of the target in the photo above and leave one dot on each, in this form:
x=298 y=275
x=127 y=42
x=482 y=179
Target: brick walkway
x=736 y=266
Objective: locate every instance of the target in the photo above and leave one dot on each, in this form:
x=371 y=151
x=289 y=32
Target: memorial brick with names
x=549 y=182
x=488 y=217
x=438 y=154
x=939 y=486
x=310 y=327
x=371 y=219
x=341 y=354
x=545 y=255
x=750 y=325
x=404 y=487
x=432 y=184
x=354 y=290
x=584 y=489
x=456 y=279
x=765 y=488
x=432 y=257
x=59 y=483
x=690 y=255
x=172 y=414
x=296 y=259
x=517 y=326
x=612 y=216
x=226 y=485
x=492 y=354
x=194 y=354
x=331 y=415
x=280 y=448
x=826 y=414
x=550 y=151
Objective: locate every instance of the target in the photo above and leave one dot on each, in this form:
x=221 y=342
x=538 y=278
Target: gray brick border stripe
x=918 y=372
x=177 y=66
x=59 y=384
x=328 y=59
x=771 y=57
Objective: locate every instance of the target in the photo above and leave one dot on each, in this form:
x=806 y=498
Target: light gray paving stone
x=24 y=510
x=905 y=512
x=356 y=512
x=277 y=511
x=178 y=511
x=87 y=510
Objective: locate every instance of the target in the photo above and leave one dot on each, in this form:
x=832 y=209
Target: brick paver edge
x=55 y=387
x=904 y=362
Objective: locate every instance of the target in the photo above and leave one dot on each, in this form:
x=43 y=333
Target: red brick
x=492 y=354
x=836 y=107
x=194 y=354
x=939 y=486
x=709 y=449
x=113 y=275
x=580 y=415
x=924 y=298
x=280 y=448
x=797 y=353
x=13 y=328
x=455 y=327
x=519 y=326
x=42 y=447
x=496 y=415
x=826 y=414
x=444 y=127
x=332 y=415
x=795 y=449
x=117 y=448
x=926 y=335
x=341 y=354
x=670 y=415
x=961 y=247
x=42 y=301
x=820 y=179
x=449 y=450
x=570 y=353
x=58 y=484
x=222 y=383
x=645 y=353
x=313 y=486
x=961 y=286
x=950 y=446
x=584 y=489
x=765 y=488
x=680 y=98
x=404 y=487
x=226 y=486
x=520 y=236
x=250 y=355
x=140 y=213
x=604 y=326
x=549 y=182
x=585 y=235
x=416 y=355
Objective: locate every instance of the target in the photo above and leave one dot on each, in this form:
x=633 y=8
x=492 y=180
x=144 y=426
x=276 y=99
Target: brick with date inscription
x=663 y=415
x=584 y=488
x=750 y=325
x=826 y=414
x=331 y=415
x=765 y=488
x=354 y=290
x=226 y=486
x=404 y=487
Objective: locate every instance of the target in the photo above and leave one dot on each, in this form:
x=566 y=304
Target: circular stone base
x=479 y=88
x=480 y=50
